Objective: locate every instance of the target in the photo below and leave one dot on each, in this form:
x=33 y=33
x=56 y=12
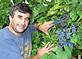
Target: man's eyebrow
x=19 y=15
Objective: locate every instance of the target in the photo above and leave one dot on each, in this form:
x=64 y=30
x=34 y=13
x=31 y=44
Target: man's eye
x=27 y=18
x=19 y=16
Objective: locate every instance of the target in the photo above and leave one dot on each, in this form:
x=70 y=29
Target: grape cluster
x=61 y=21
x=64 y=38
x=64 y=33
x=61 y=38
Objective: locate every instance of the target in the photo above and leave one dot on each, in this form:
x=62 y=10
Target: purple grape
x=64 y=17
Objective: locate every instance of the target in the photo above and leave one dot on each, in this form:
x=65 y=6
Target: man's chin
x=20 y=31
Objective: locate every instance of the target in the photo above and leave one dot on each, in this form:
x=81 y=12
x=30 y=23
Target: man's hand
x=45 y=26
x=46 y=49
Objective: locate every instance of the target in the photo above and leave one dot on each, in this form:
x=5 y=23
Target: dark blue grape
x=68 y=36
x=73 y=29
x=65 y=30
x=61 y=44
x=60 y=33
x=63 y=24
x=42 y=39
x=65 y=44
x=56 y=22
x=70 y=44
x=64 y=17
x=61 y=38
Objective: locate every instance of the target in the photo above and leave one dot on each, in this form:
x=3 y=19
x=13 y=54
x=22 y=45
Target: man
x=15 y=39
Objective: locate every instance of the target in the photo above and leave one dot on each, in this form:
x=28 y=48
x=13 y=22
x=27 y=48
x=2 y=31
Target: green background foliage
x=44 y=10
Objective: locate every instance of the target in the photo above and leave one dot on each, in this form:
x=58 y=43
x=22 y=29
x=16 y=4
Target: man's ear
x=10 y=18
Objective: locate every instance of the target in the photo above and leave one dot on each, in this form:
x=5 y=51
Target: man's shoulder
x=3 y=31
x=31 y=28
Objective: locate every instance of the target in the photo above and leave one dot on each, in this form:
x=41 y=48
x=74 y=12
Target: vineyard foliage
x=66 y=34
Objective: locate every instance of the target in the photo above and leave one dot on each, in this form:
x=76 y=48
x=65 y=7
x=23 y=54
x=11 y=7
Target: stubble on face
x=19 y=24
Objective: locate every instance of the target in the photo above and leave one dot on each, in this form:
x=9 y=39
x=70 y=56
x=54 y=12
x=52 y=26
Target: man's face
x=19 y=22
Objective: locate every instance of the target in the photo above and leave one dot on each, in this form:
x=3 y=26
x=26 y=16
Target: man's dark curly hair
x=21 y=7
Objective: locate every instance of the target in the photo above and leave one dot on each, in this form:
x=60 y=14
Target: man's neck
x=15 y=33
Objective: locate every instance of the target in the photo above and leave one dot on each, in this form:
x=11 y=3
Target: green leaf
x=52 y=56
x=73 y=15
x=41 y=8
x=39 y=1
x=80 y=1
x=74 y=39
x=67 y=52
x=59 y=53
x=35 y=12
x=79 y=13
x=80 y=46
x=45 y=56
x=59 y=1
x=54 y=9
x=74 y=1
x=34 y=51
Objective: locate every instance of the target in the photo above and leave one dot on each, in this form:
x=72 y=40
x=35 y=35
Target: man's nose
x=22 y=21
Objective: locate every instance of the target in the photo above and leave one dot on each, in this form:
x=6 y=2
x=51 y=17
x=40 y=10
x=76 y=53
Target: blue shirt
x=13 y=47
